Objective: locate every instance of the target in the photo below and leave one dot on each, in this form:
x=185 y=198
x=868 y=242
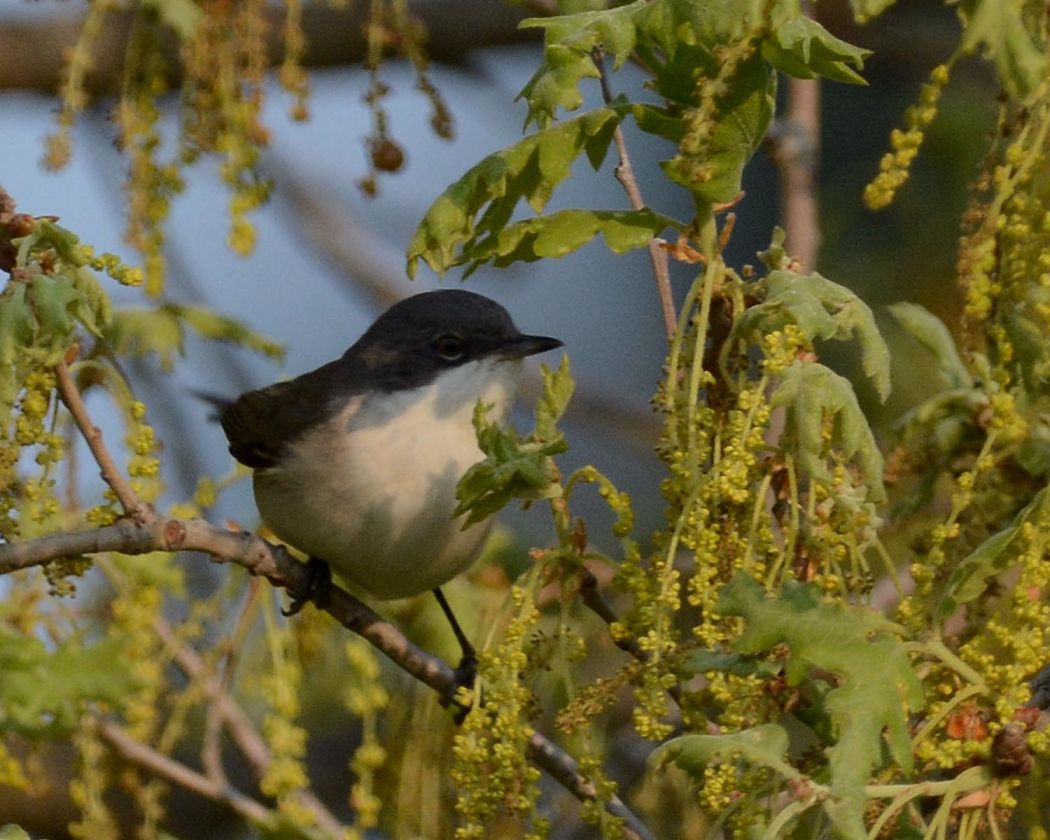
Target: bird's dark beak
x=528 y=345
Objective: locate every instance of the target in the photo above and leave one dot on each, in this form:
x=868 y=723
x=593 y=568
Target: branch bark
x=70 y=395
x=794 y=146
x=625 y=175
x=32 y=51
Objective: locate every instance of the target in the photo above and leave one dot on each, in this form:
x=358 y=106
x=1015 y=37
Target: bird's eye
x=450 y=346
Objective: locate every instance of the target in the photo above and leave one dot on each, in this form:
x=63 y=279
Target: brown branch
x=794 y=147
x=226 y=710
x=593 y=599
x=185 y=777
x=32 y=51
x=277 y=565
x=70 y=395
x=625 y=175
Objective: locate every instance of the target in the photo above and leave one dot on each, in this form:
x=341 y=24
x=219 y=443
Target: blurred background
x=328 y=259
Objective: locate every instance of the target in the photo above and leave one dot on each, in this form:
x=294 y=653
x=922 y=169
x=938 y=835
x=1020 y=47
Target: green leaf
x=43 y=689
x=143 y=332
x=765 y=745
x=568 y=41
x=803 y=48
x=140 y=332
x=16 y=330
x=565 y=231
x=992 y=557
x=529 y=170
x=822 y=310
x=516 y=467
x=13 y=832
x=184 y=16
x=705 y=661
x=930 y=332
x=874 y=690
x=865 y=10
x=95 y=311
x=54 y=299
x=558 y=388
x=211 y=325
x=810 y=391
x=999 y=26
x=742 y=117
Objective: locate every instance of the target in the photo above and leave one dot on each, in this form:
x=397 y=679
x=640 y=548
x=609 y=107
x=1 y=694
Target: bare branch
x=593 y=599
x=32 y=51
x=185 y=777
x=70 y=395
x=794 y=146
x=625 y=175
x=226 y=710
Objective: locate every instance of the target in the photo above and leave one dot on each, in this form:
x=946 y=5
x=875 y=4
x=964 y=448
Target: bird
x=356 y=463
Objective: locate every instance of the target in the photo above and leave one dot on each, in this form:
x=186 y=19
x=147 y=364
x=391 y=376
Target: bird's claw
x=317 y=590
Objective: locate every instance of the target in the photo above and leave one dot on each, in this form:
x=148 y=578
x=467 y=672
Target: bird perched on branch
x=356 y=463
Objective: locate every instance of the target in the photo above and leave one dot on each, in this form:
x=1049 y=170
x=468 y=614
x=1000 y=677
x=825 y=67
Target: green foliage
x=868 y=703
x=13 y=832
x=683 y=44
x=803 y=48
x=565 y=231
x=765 y=745
x=972 y=575
x=930 y=331
x=160 y=331
x=1004 y=29
x=812 y=394
x=822 y=310
x=45 y=691
x=52 y=293
x=517 y=467
x=529 y=170
x=743 y=624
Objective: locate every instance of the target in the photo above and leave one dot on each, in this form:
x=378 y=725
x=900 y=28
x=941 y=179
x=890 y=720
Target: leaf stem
x=625 y=175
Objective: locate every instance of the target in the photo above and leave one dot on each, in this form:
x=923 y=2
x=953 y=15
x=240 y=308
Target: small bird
x=356 y=463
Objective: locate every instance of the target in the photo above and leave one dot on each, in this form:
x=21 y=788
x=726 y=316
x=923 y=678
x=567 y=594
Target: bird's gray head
x=415 y=340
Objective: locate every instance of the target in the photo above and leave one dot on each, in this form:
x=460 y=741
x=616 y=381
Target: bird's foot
x=318 y=587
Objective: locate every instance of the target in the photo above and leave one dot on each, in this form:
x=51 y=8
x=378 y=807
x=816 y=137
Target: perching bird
x=356 y=463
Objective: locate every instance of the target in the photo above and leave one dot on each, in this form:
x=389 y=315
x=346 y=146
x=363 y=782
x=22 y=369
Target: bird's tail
x=218 y=402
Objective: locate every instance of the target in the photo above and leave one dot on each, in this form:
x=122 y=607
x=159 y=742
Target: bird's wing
x=260 y=424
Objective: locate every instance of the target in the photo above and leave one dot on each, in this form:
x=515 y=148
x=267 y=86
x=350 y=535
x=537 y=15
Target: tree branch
x=70 y=395
x=224 y=709
x=185 y=777
x=625 y=175
x=32 y=52
x=794 y=147
x=276 y=564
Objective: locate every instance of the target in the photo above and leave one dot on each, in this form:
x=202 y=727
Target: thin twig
x=70 y=395
x=592 y=598
x=245 y=735
x=625 y=175
x=795 y=150
x=219 y=688
x=179 y=774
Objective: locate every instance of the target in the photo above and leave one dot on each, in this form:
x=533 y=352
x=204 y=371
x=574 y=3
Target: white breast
x=372 y=491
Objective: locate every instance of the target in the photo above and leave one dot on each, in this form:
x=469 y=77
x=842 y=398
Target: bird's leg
x=318 y=587
x=467 y=670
